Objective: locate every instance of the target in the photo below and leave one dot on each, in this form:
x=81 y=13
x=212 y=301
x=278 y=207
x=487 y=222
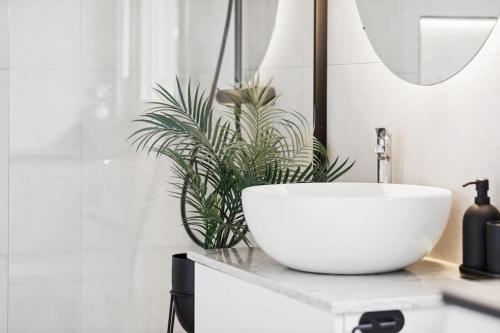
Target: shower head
x=225 y=96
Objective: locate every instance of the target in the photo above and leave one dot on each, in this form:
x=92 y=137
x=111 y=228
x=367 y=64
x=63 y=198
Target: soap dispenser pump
x=474 y=226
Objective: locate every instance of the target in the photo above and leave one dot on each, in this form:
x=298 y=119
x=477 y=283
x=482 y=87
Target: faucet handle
x=383 y=140
x=384 y=158
x=381 y=132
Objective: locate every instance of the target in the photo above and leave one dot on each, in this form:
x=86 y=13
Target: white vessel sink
x=346 y=228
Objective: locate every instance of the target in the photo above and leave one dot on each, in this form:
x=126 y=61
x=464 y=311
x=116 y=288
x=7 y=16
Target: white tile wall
x=259 y=21
x=4 y=266
x=44 y=308
x=4 y=160
x=4 y=34
x=126 y=290
x=346 y=39
x=4 y=164
x=45 y=34
x=295 y=88
x=201 y=36
x=151 y=217
x=292 y=41
x=355 y=107
x=44 y=292
x=44 y=204
x=45 y=268
x=99 y=25
x=445 y=134
x=45 y=112
x=108 y=282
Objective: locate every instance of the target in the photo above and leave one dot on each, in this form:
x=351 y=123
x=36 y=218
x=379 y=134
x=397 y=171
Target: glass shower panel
x=91 y=225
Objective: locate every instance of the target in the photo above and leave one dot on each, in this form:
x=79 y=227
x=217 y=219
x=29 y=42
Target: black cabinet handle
x=380 y=322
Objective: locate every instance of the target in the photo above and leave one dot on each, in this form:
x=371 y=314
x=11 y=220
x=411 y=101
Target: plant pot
x=183 y=290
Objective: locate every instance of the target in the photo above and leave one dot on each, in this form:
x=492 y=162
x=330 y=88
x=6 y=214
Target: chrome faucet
x=384 y=158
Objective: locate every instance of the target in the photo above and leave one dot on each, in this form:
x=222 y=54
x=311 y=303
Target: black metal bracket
x=320 y=69
x=380 y=322
x=171 y=315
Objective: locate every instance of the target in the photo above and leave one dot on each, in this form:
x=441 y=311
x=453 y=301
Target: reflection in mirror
x=277 y=42
x=201 y=35
x=427 y=42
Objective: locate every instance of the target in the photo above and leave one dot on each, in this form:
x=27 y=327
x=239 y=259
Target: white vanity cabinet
x=242 y=290
x=224 y=304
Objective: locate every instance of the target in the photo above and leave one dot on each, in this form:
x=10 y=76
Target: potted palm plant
x=216 y=156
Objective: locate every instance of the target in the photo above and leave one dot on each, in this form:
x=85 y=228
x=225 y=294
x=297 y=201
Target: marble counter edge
x=257 y=280
x=341 y=307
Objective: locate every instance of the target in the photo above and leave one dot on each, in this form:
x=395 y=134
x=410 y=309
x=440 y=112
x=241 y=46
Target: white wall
x=444 y=135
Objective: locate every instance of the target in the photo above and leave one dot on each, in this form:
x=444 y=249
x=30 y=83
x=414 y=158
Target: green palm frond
x=214 y=159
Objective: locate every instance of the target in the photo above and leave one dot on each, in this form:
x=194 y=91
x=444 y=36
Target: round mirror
x=427 y=41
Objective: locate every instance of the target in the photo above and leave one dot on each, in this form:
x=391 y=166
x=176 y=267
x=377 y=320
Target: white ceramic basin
x=346 y=228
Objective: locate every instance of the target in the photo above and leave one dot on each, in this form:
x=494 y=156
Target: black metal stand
x=171 y=315
x=176 y=299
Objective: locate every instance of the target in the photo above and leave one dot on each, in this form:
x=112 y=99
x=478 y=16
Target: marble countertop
x=418 y=286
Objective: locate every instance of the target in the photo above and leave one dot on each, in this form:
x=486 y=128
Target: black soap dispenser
x=474 y=227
